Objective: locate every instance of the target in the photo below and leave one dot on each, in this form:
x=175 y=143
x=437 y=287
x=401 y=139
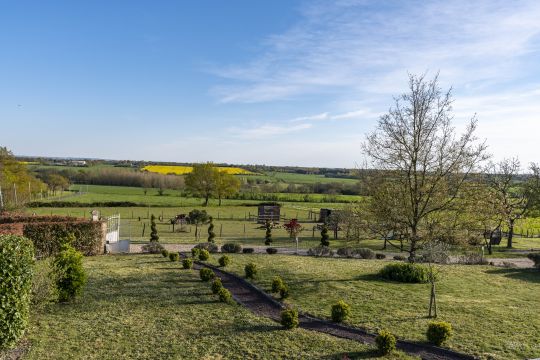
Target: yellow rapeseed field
x=181 y=170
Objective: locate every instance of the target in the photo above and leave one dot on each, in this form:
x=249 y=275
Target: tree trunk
x=219 y=203
x=413 y=248
x=510 y=233
x=206 y=200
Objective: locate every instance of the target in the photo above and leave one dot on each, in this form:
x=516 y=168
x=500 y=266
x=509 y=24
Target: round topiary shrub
x=224 y=260
x=195 y=252
x=535 y=257
x=277 y=283
x=231 y=248
x=216 y=285
x=224 y=295
x=364 y=253
x=380 y=256
x=405 y=273
x=16 y=264
x=174 y=256
x=340 y=311
x=284 y=292
x=187 y=263
x=69 y=269
x=248 y=250
x=386 y=342
x=206 y=274
x=271 y=251
x=289 y=318
x=250 y=270
x=204 y=255
x=400 y=258
x=438 y=332
x=211 y=247
x=165 y=253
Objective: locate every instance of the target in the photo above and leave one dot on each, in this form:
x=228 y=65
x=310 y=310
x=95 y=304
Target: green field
x=493 y=310
x=145 y=307
x=293 y=178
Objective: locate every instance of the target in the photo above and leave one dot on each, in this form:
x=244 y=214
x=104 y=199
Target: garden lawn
x=494 y=311
x=145 y=307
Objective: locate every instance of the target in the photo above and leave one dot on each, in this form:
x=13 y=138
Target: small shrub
x=380 y=256
x=153 y=247
x=364 y=253
x=231 y=248
x=277 y=283
x=250 y=270
x=206 y=274
x=224 y=295
x=69 y=269
x=386 y=342
x=438 y=332
x=16 y=263
x=204 y=255
x=248 y=250
x=216 y=285
x=284 y=291
x=187 y=263
x=320 y=251
x=195 y=252
x=211 y=247
x=340 y=311
x=165 y=253
x=289 y=318
x=472 y=258
x=174 y=256
x=535 y=257
x=44 y=289
x=224 y=260
x=345 y=252
x=405 y=272
x=271 y=251
x=400 y=258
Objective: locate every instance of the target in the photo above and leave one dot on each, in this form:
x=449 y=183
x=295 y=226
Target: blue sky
x=267 y=82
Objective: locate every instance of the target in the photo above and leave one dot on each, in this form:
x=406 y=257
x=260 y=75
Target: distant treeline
x=117 y=177
x=332 y=188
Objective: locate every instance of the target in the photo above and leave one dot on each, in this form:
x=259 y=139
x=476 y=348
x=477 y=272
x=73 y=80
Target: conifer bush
x=224 y=260
x=204 y=255
x=71 y=276
x=250 y=270
x=386 y=342
x=289 y=318
x=187 y=263
x=439 y=332
x=340 y=311
x=206 y=274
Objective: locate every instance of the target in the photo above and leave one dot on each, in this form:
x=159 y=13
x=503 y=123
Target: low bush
x=271 y=251
x=289 y=318
x=211 y=247
x=405 y=272
x=400 y=258
x=165 y=253
x=204 y=255
x=340 y=311
x=16 y=265
x=231 y=248
x=224 y=295
x=224 y=260
x=345 y=252
x=206 y=274
x=216 y=285
x=472 y=258
x=44 y=289
x=386 y=342
x=195 y=251
x=250 y=270
x=364 y=253
x=248 y=250
x=380 y=256
x=187 y=263
x=174 y=256
x=438 y=332
x=277 y=283
x=535 y=257
x=320 y=251
x=283 y=291
x=153 y=247
x=71 y=277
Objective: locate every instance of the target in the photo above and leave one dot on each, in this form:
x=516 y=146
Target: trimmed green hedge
x=48 y=237
x=16 y=270
x=405 y=273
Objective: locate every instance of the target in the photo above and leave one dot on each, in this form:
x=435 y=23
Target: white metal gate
x=113 y=229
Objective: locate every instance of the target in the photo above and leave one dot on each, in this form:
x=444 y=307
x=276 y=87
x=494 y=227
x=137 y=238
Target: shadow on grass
x=531 y=275
x=368 y=354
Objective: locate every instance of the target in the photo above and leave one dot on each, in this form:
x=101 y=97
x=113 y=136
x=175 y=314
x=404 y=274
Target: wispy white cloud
x=355 y=114
x=266 y=130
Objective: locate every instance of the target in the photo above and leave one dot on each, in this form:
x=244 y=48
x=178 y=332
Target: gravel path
x=263 y=304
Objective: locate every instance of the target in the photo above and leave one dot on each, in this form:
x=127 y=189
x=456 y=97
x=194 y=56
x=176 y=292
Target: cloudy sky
x=267 y=82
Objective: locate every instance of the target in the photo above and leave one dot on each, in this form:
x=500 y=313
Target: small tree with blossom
x=294 y=229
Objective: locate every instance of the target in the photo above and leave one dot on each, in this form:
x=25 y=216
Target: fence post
x=220 y=230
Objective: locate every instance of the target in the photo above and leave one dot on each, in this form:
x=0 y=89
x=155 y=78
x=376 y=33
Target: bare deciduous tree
x=422 y=162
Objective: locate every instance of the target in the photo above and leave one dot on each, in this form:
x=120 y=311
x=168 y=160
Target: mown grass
x=494 y=311
x=145 y=307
